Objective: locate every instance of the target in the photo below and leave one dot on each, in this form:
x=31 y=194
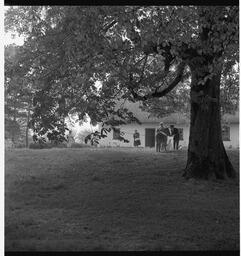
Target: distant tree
x=139 y=53
x=18 y=95
x=80 y=136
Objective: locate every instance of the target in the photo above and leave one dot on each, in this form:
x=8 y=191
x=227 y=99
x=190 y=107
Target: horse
x=161 y=141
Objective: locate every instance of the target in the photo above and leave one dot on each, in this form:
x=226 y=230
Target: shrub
x=46 y=145
x=62 y=145
x=20 y=145
x=40 y=145
x=35 y=146
x=79 y=145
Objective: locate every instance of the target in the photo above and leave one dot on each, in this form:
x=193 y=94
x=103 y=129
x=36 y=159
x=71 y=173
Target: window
x=116 y=133
x=226 y=133
x=180 y=133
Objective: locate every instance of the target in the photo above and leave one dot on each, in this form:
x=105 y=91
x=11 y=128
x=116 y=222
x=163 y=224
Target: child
x=137 y=141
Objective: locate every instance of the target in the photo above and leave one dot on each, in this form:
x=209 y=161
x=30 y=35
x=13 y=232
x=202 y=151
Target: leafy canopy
x=138 y=53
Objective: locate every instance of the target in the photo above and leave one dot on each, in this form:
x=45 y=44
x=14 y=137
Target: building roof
x=141 y=115
x=146 y=117
x=229 y=118
x=174 y=118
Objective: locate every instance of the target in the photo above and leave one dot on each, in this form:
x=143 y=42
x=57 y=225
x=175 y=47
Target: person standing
x=176 y=137
x=137 y=140
x=169 y=132
x=161 y=138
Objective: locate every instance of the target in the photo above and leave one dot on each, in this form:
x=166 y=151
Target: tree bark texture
x=206 y=153
x=27 y=128
x=14 y=120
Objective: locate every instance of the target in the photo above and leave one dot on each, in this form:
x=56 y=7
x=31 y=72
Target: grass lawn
x=115 y=199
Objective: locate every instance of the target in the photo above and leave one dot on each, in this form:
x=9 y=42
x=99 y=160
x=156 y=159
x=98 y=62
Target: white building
x=230 y=125
x=149 y=124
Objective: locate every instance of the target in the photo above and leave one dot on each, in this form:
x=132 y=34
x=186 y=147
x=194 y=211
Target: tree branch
x=143 y=69
x=156 y=94
x=107 y=27
x=184 y=50
x=172 y=85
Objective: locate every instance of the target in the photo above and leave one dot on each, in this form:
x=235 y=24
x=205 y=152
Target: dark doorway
x=150 y=137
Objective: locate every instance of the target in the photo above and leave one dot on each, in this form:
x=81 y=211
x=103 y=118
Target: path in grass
x=115 y=199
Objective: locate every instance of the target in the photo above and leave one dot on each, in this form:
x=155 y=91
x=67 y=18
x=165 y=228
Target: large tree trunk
x=27 y=126
x=206 y=153
x=14 y=121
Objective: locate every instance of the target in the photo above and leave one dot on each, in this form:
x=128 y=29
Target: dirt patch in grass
x=115 y=199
